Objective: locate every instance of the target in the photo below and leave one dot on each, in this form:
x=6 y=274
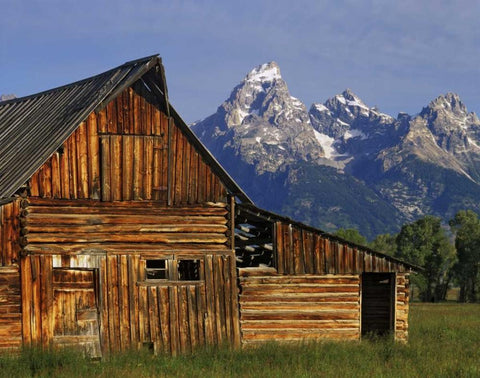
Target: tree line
x=449 y=255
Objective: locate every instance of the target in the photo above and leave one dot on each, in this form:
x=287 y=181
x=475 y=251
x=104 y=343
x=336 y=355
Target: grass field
x=444 y=341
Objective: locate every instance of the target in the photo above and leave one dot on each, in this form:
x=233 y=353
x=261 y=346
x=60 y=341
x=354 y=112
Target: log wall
x=293 y=308
x=300 y=250
x=402 y=307
x=55 y=224
x=10 y=308
x=9 y=233
x=129 y=150
x=170 y=316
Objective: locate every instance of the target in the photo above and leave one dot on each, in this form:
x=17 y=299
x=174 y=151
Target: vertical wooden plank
x=171 y=163
x=116 y=159
x=164 y=316
x=36 y=307
x=127 y=181
x=138 y=169
x=235 y=314
x=113 y=323
x=33 y=183
x=192 y=316
x=178 y=167
x=210 y=329
x=132 y=299
x=56 y=182
x=82 y=161
x=73 y=168
x=143 y=323
x=183 y=326
x=200 y=296
x=46 y=291
x=103 y=306
x=26 y=289
x=106 y=169
x=219 y=299
x=102 y=121
x=123 y=295
x=148 y=168
x=227 y=289
x=64 y=172
x=153 y=319
x=46 y=181
x=174 y=326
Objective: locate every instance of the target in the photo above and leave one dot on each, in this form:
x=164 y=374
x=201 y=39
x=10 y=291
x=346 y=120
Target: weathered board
x=128 y=151
x=301 y=250
x=300 y=307
x=174 y=316
x=10 y=308
x=9 y=232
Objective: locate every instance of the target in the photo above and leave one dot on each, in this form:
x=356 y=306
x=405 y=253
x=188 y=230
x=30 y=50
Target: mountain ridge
x=261 y=132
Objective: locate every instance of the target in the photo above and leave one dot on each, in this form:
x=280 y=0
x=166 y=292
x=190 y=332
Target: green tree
x=384 y=243
x=425 y=243
x=352 y=235
x=466 y=227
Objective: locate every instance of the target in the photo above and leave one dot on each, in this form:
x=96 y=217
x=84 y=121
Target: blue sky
x=397 y=55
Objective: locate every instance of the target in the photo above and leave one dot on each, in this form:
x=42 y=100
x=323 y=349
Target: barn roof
x=32 y=128
x=269 y=216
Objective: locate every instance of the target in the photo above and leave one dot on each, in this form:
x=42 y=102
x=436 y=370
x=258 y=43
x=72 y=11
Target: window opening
x=156 y=270
x=189 y=270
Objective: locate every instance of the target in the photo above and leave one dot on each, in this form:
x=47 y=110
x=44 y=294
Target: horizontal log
x=295 y=315
x=37 y=201
x=305 y=298
x=97 y=237
x=298 y=306
x=205 y=211
x=304 y=279
x=272 y=289
x=79 y=219
x=186 y=228
x=298 y=324
x=153 y=249
x=290 y=335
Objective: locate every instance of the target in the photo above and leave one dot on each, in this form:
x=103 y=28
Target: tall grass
x=444 y=341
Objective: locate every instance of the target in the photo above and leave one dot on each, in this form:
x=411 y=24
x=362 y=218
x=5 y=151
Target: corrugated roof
x=272 y=217
x=32 y=128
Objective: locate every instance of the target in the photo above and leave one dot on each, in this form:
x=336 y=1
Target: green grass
x=444 y=341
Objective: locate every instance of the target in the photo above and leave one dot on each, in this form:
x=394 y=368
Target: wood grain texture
x=300 y=307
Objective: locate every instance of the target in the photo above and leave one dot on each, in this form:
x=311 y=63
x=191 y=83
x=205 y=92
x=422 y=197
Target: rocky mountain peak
x=268 y=127
x=264 y=73
x=447 y=103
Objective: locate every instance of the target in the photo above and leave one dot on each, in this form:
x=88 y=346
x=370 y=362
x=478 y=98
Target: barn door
x=378 y=303
x=75 y=310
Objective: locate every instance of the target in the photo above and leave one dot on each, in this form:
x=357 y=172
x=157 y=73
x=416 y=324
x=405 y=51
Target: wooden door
x=378 y=299
x=75 y=310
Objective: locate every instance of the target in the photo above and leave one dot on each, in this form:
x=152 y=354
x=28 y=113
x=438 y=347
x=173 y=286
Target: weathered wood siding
x=300 y=250
x=10 y=301
x=171 y=316
x=402 y=306
x=130 y=150
x=10 y=308
x=59 y=225
x=293 y=308
x=9 y=232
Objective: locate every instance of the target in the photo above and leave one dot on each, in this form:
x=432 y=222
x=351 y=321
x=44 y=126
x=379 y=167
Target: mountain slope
x=343 y=163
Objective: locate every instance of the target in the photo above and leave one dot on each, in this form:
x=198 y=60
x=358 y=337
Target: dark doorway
x=378 y=303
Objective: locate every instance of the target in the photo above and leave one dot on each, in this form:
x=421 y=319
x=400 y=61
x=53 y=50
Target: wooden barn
x=119 y=230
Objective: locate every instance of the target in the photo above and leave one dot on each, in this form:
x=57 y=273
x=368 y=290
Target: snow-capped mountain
x=262 y=123
x=343 y=163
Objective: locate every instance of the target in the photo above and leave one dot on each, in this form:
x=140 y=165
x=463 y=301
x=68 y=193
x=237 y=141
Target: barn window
x=172 y=270
x=189 y=270
x=156 y=270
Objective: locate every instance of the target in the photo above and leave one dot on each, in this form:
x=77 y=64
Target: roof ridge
x=79 y=82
